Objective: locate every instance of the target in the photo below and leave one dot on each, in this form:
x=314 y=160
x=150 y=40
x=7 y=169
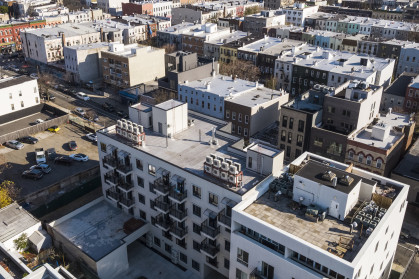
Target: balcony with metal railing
x=163 y=222
x=177 y=214
x=256 y=274
x=125 y=168
x=178 y=196
x=110 y=161
x=161 y=204
x=125 y=185
x=212 y=262
x=224 y=220
x=111 y=179
x=178 y=232
x=126 y=201
x=208 y=249
x=161 y=186
x=111 y=193
x=209 y=231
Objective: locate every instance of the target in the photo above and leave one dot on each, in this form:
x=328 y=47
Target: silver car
x=14 y=144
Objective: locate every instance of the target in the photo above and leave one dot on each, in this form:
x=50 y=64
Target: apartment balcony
x=161 y=187
x=125 y=185
x=111 y=179
x=224 y=220
x=112 y=194
x=209 y=250
x=256 y=274
x=110 y=161
x=163 y=223
x=124 y=168
x=178 y=215
x=161 y=205
x=177 y=196
x=210 y=232
x=128 y=203
x=179 y=233
x=212 y=262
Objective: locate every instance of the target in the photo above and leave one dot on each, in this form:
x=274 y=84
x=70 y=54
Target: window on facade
x=196 y=210
x=242 y=257
x=350 y=154
x=379 y=163
x=245 y=132
x=289 y=137
x=141 y=198
x=12 y=106
x=195 y=265
x=239 y=130
x=284 y=121
x=152 y=170
x=22 y=104
x=239 y=117
x=299 y=140
x=360 y=157
x=227 y=245
x=140 y=181
x=227 y=113
x=369 y=160
x=318 y=141
x=300 y=126
x=213 y=199
x=196 y=191
x=291 y=123
x=157 y=241
x=139 y=164
x=233 y=115
x=246 y=119
x=103 y=147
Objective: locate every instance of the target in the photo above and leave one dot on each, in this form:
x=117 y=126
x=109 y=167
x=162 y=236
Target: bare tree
x=163 y=95
x=271 y=82
x=168 y=48
x=242 y=69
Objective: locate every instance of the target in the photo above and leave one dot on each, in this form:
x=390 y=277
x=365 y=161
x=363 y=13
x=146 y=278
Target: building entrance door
x=334 y=209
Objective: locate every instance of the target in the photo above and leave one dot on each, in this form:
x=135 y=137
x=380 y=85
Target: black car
x=51 y=154
x=122 y=114
x=108 y=107
x=30 y=140
x=63 y=160
x=34 y=174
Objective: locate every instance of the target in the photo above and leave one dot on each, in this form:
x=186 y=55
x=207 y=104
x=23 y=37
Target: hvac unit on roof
x=224 y=176
x=208 y=169
x=209 y=160
x=217 y=163
x=215 y=172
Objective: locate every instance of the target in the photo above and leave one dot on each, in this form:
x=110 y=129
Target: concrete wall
x=172 y=121
x=146 y=66
x=114 y=263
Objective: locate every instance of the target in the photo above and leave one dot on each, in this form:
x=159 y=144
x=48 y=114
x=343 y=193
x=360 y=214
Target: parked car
x=54 y=129
x=92 y=137
x=80 y=112
x=34 y=76
x=108 y=107
x=14 y=144
x=39 y=121
x=72 y=145
x=122 y=114
x=79 y=157
x=33 y=174
x=40 y=156
x=82 y=96
x=51 y=154
x=63 y=160
x=29 y=140
x=42 y=167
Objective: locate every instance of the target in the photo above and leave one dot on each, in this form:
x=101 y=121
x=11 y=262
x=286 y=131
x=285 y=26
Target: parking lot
x=21 y=160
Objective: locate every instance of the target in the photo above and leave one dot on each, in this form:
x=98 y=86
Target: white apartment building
x=18 y=93
x=112 y=7
x=320 y=219
x=46 y=45
x=212 y=46
x=296 y=14
x=83 y=61
x=162 y=8
x=183 y=180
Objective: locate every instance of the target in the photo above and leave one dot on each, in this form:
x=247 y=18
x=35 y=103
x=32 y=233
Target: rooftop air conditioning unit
x=119 y=123
x=232 y=179
x=233 y=169
x=217 y=163
x=225 y=166
x=141 y=129
x=239 y=166
x=216 y=172
x=209 y=160
x=224 y=176
x=208 y=169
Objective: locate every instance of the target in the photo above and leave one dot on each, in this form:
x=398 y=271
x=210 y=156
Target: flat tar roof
x=255 y=97
x=96 y=231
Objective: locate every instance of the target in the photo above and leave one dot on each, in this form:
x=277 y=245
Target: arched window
x=369 y=160
x=350 y=154
x=360 y=157
x=379 y=163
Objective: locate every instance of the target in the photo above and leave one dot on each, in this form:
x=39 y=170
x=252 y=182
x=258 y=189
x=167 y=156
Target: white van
x=82 y=96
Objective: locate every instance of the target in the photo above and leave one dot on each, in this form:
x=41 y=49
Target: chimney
x=63 y=39
x=208 y=85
